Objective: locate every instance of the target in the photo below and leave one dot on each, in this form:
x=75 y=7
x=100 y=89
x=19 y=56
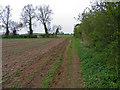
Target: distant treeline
x=100 y=30
x=36 y=35
x=29 y=16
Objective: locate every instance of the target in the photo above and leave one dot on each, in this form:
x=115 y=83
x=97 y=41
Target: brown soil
x=36 y=82
x=35 y=55
x=37 y=52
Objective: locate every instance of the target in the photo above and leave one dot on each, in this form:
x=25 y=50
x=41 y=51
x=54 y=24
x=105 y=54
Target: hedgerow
x=99 y=28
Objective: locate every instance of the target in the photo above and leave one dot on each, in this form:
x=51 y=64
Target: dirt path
x=68 y=75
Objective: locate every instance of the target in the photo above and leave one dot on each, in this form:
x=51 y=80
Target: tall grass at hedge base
x=100 y=69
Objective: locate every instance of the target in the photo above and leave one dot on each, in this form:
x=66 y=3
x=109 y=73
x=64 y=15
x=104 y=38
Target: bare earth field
x=25 y=63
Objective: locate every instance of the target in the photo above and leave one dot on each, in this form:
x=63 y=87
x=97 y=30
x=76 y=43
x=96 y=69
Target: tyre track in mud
x=68 y=75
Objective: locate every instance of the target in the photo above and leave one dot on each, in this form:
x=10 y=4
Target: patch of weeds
x=16 y=72
x=7 y=76
x=59 y=58
x=80 y=79
x=69 y=79
x=15 y=85
x=3 y=81
x=11 y=79
x=54 y=53
x=47 y=60
x=69 y=73
x=26 y=63
x=69 y=54
x=69 y=50
x=51 y=73
x=46 y=81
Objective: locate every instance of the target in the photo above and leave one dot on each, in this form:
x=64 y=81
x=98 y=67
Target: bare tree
x=1 y=13
x=57 y=29
x=28 y=14
x=44 y=16
x=14 y=26
x=0 y=17
x=5 y=18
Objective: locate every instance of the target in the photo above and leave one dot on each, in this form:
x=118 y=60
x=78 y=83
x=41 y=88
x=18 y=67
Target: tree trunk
x=14 y=32
x=30 y=27
x=7 y=30
x=57 y=30
x=46 y=30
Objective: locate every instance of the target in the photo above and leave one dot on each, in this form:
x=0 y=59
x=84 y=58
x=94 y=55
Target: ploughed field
x=40 y=63
x=22 y=57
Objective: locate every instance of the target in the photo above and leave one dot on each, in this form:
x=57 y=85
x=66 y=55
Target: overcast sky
x=64 y=11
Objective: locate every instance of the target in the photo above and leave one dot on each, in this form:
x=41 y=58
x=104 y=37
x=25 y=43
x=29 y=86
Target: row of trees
x=29 y=15
x=99 y=28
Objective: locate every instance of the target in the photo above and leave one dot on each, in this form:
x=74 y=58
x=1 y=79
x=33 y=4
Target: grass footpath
x=69 y=61
x=95 y=72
